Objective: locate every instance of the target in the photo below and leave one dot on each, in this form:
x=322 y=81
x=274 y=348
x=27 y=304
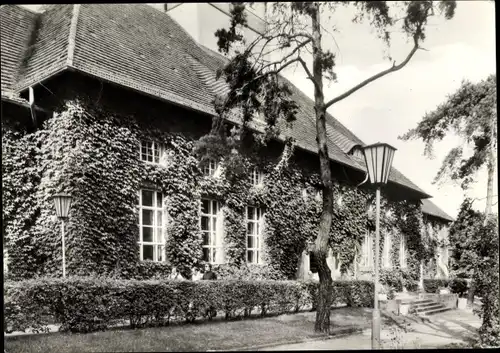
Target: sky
x=462 y=48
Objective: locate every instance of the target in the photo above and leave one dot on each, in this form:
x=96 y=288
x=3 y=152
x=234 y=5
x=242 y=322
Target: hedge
x=433 y=285
x=86 y=304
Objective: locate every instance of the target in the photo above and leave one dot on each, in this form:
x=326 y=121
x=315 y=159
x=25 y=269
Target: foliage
x=85 y=304
x=486 y=278
x=459 y=286
x=392 y=278
x=433 y=285
x=463 y=239
x=470 y=112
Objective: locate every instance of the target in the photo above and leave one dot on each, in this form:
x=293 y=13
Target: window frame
x=155 y=227
x=215 y=243
x=258 y=234
x=211 y=168
x=387 y=250
x=155 y=146
x=257 y=176
x=403 y=263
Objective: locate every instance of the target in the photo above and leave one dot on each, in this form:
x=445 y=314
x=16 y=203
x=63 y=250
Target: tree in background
x=475 y=254
x=295 y=33
x=470 y=112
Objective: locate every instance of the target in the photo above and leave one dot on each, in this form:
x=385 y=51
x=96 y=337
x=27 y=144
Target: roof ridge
x=72 y=34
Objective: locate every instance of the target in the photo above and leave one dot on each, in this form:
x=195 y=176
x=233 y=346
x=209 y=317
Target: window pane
x=159 y=218
x=214 y=253
x=250 y=256
x=206 y=237
x=258 y=228
x=147 y=252
x=204 y=206
x=215 y=207
x=147 y=234
x=250 y=228
x=147 y=217
x=205 y=255
x=214 y=224
x=204 y=223
x=250 y=242
x=159 y=255
x=159 y=200
x=249 y=212
x=159 y=235
x=147 y=198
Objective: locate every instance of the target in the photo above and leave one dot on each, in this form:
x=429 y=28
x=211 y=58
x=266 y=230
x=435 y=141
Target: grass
x=217 y=335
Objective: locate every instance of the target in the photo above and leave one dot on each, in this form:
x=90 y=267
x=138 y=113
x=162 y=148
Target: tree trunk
x=324 y=298
x=491 y=169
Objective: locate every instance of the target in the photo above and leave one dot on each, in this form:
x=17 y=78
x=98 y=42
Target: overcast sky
x=463 y=48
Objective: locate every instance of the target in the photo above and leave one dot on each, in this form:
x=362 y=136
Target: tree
x=256 y=87
x=471 y=112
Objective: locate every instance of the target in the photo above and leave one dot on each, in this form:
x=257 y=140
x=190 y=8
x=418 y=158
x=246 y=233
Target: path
x=449 y=327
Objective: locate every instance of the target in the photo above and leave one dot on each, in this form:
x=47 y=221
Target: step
x=423 y=301
x=436 y=311
x=430 y=308
x=426 y=305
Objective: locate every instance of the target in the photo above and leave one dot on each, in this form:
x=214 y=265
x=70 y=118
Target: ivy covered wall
x=90 y=149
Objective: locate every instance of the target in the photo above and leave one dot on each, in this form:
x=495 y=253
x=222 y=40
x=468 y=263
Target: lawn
x=216 y=335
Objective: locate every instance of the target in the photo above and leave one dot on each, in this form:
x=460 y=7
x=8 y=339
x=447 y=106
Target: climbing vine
x=94 y=156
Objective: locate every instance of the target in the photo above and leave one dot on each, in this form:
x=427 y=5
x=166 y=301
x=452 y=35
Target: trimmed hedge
x=459 y=286
x=433 y=285
x=86 y=304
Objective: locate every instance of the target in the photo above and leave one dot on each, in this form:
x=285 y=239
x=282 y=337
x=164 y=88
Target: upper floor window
x=210 y=224
x=211 y=168
x=255 y=218
x=152 y=218
x=152 y=151
x=366 y=258
x=257 y=177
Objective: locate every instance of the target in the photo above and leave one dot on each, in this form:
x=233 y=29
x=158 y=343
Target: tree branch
x=377 y=76
x=309 y=74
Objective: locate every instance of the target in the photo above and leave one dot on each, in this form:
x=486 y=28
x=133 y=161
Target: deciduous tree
x=295 y=32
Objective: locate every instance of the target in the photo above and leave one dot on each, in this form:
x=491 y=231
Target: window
x=211 y=168
x=313 y=264
x=402 y=252
x=210 y=226
x=387 y=250
x=366 y=252
x=151 y=151
x=255 y=217
x=151 y=226
x=257 y=177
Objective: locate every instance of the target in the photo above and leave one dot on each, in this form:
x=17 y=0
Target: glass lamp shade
x=62 y=203
x=378 y=159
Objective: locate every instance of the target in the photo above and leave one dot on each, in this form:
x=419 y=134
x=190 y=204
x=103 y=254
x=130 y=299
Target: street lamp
x=378 y=159
x=62 y=203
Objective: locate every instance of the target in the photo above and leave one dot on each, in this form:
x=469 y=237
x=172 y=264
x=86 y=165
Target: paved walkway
x=445 y=328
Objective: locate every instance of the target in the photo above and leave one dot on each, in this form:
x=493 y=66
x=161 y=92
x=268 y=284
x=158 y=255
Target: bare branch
x=393 y=68
x=309 y=74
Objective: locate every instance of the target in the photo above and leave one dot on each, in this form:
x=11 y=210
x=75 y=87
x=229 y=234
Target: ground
x=255 y=334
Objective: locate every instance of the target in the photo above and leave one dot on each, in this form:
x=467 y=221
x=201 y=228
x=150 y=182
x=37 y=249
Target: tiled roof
x=139 y=47
x=431 y=209
x=15 y=33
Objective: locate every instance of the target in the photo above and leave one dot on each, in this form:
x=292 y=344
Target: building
x=105 y=101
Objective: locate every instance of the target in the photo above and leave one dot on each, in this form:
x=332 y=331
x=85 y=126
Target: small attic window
x=357 y=152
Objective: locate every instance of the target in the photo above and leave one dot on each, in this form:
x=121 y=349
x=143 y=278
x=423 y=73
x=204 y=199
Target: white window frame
x=215 y=231
x=159 y=226
x=402 y=252
x=212 y=168
x=366 y=251
x=157 y=152
x=387 y=250
x=257 y=233
x=257 y=177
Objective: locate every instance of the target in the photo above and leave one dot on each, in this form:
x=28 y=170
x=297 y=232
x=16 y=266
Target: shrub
x=459 y=286
x=247 y=272
x=392 y=279
x=433 y=285
x=86 y=304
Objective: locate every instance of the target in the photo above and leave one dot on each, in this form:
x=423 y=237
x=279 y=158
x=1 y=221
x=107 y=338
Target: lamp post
x=378 y=159
x=62 y=203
